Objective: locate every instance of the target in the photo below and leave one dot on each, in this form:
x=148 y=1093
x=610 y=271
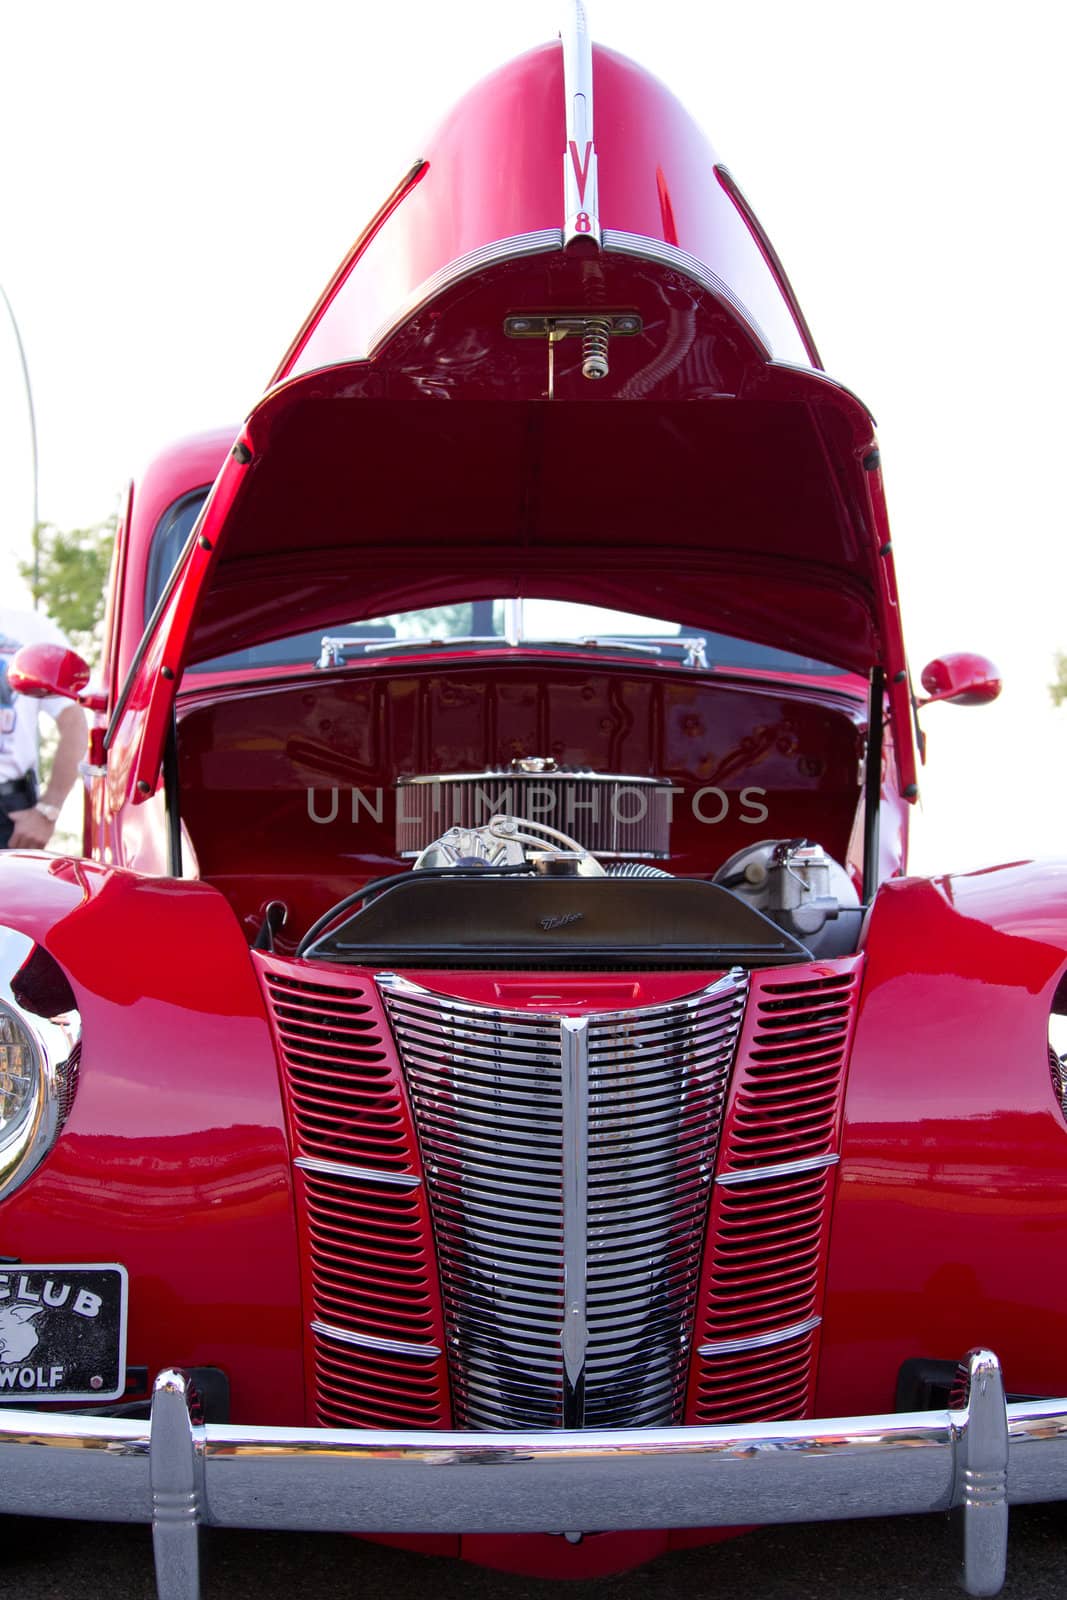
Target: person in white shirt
x=27 y=819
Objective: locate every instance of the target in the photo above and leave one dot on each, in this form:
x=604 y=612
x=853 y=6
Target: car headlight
x=40 y=1034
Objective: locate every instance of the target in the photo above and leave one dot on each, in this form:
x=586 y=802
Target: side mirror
x=962 y=677
x=39 y=670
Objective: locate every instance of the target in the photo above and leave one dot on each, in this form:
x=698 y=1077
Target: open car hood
x=414 y=452
x=745 y=515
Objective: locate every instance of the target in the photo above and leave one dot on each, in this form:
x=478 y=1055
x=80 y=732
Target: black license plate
x=62 y=1332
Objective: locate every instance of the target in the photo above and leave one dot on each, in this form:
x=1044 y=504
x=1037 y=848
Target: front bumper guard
x=179 y=1475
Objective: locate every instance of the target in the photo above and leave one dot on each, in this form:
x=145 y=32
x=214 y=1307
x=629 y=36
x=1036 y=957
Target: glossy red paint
x=648 y=148
x=962 y=677
x=39 y=670
x=786 y=457
x=190 y=464
x=729 y=183
x=115 y=832
x=577 y=993
x=600 y=1555
x=949 y=1206
x=408 y=455
x=834 y=605
x=333 y=289
x=174 y=1160
x=144 y=706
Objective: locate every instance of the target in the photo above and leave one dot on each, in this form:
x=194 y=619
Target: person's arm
x=32 y=829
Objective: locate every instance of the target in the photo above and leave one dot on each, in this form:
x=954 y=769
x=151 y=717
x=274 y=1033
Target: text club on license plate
x=62 y=1332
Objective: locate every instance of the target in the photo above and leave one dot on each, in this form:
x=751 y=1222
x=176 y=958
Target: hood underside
x=722 y=514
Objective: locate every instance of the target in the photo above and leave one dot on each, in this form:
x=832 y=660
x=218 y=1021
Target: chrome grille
x=568 y=1161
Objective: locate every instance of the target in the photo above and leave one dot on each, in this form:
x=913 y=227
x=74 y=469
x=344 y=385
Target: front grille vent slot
x=766 y=1384
x=371 y=1389
x=764 y=1265
x=516 y=1111
x=369 y=1275
x=368 y=1264
x=787 y=1099
x=345 y=1101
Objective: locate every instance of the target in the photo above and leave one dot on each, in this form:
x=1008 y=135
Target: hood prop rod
x=872 y=783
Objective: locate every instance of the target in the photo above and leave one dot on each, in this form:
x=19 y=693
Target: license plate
x=62 y=1332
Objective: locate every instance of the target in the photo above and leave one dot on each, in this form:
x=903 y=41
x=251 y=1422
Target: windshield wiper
x=333 y=649
x=390 y=645
x=692 y=646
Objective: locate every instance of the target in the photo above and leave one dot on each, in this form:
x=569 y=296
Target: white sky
x=177 y=182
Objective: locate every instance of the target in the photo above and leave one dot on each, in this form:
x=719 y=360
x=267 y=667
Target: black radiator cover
x=557 y=924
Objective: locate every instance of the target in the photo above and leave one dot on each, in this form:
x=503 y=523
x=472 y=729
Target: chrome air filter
x=623 y=818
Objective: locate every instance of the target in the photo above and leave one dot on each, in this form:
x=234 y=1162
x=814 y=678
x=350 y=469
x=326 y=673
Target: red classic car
x=489 y=1083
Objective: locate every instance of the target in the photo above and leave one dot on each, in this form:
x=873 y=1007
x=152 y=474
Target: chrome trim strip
x=369 y=1480
x=487 y=255
x=338 y=1169
x=778 y=1169
x=581 y=201
x=369 y=1341
x=669 y=255
x=758 y=1341
x=574 y=1335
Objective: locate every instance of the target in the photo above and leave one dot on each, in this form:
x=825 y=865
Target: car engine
x=517 y=892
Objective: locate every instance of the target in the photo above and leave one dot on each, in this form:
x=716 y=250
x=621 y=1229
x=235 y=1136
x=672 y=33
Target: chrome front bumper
x=179 y=1476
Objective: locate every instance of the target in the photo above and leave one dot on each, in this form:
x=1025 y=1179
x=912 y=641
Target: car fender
x=950 y=1217
x=174 y=1160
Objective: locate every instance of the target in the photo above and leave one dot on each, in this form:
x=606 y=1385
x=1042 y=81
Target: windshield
x=546 y=623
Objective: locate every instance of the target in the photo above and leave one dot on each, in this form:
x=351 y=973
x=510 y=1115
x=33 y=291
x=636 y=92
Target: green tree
x=71 y=575
x=1058 y=689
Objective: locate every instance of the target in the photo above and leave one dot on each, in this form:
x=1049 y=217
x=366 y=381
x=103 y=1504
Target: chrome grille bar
x=568 y=1162
x=574 y=1051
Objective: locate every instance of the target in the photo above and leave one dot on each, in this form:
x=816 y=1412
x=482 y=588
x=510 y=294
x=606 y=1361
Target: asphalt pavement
x=903 y=1558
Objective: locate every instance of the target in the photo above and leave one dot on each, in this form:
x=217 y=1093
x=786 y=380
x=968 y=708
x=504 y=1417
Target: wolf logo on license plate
x=62 y=1332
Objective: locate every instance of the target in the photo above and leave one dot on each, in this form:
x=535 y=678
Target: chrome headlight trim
x=54 y=1044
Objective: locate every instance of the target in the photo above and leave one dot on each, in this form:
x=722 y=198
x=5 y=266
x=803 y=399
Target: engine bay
x=682 y=800
x=516 y=893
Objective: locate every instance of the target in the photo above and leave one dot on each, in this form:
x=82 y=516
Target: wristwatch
x=50 y=813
